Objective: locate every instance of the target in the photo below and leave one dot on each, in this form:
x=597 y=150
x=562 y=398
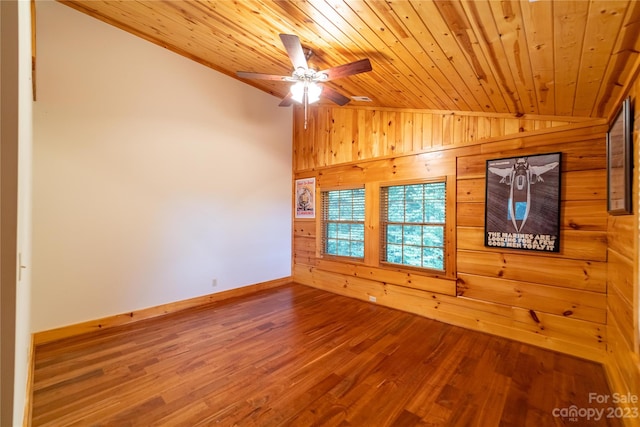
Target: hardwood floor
x=298 y=356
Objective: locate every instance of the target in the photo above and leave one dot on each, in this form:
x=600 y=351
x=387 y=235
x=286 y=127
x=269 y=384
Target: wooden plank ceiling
x=552 y=58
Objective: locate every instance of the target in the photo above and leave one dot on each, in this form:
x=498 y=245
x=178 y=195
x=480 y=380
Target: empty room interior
x=320 y=213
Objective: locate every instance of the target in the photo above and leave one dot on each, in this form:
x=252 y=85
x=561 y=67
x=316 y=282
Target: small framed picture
x=620 y=161
x=305 y=198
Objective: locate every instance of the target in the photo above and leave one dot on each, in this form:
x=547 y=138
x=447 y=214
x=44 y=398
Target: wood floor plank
x=299 y=356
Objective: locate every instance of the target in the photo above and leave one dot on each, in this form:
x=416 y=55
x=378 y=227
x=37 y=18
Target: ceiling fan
x=306 y=88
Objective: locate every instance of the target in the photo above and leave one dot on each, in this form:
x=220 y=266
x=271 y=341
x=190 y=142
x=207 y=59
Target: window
x=343 y=222
x=413 y=224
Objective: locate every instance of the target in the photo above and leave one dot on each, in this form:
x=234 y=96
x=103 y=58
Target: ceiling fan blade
x=261 y=76
x=294 y=50
x=361 y=66
x=334 y=96
x=286 y=101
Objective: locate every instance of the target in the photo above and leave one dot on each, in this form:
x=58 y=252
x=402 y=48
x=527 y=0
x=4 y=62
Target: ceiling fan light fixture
x=297 y=91
x=314 y=92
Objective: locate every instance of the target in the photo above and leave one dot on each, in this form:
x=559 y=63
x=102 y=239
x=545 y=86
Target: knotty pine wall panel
x=570 y=284
x=542 y=269
x=558 y=301
x=623 y=362
x=339 y=135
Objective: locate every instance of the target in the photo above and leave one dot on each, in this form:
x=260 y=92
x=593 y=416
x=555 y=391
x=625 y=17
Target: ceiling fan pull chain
x=306 y=103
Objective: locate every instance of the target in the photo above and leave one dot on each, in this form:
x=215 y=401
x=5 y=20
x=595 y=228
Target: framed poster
x=306 y=198
x=620 y=161
x=522 y=209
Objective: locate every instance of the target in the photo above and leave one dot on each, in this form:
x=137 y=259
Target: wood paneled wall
x=557 y=301
x=336 y=136
x=623 y=363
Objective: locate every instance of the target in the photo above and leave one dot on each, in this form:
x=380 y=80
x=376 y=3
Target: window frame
x=446 y=227
x=323 y=219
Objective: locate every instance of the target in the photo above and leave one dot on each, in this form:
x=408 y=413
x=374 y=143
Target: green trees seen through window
x=343 y=222
x=412 y=224
x=413 y=219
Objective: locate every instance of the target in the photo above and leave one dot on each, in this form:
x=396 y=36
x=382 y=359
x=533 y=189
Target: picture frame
x=522 y=202
x=305 y=198
x=620 y=161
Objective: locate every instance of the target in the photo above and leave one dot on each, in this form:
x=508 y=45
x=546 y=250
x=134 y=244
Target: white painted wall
x=153 y=175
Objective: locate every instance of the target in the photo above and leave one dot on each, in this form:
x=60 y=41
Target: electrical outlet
x=372 y=298
x=214 y=283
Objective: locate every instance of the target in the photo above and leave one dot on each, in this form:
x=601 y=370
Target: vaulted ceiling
x=552 y=58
